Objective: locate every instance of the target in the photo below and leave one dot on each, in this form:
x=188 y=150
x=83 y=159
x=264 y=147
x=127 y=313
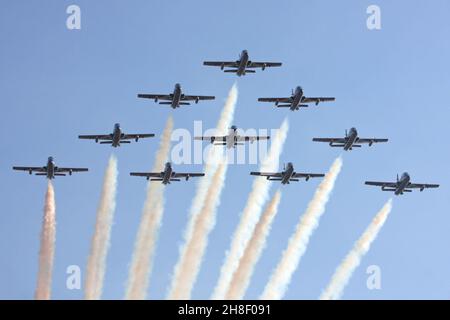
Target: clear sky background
x=57 y=83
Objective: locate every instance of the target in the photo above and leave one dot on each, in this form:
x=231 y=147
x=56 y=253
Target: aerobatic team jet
x=50 y=170
x=241 y=66
x=232 y=139
x=401 y=185
x=296 y=101
x=350 y=141
x=166 y=176
x=175 y=99
x=287 y=175
x=117 y=137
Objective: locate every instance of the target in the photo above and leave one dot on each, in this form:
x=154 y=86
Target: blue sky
x=57 y=83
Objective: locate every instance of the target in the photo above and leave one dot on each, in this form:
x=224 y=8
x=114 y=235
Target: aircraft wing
x=266 y=174
x=196 y=98
x=318 y=99
x=59 y=169
x=212 y=138
x=307 y=175
x=422 y=185
x=96 y=137
x=374 y=140
x=333 y=140
x=147 y=174
x=137 y=136
x=263 y=64
x=252 y=138
x=289 y=99
x=381 y=184
x=186 y=175
x=155 y=96
x=32 y=169
x=221 y=63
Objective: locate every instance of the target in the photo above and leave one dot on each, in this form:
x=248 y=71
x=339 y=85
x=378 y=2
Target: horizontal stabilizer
x=294 y=179
x=165 y=102
x=60 y=174
x=156 y=179
x=356 y=146
x=337 y=145
x=105 y=142
x=385 y=189
x=220 y=144
x=274 y=179
x=283 y=105
x=175 y=179
x=250 y=71
x=230 y=70
x=184 y=103
x=407 y=190
x=40 y=174
x=125 y=141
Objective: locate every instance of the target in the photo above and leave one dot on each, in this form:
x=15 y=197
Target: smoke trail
x=280 y=278
x=243 y=274
x=212 y=160
x=47 y=249
x=345 y=270
x=198 y=205
x=96 y=266
x=251 y=214
x=191 y=256
x=145 y=244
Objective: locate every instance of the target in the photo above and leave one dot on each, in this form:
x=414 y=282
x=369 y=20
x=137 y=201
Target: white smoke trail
x=280 y=278
x=96 y=266
x=47 y=250
x=345 y=270
x=191 y=256
x=251 y=214
x=241 y=278
x=145 y=245
x=212 y=160
x=203 y=209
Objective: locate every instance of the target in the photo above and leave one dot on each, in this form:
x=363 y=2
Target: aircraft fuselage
x=177 y=94
x=242 y=63
x=50 y=168
x=287 y=174
x=402 y=184
x=351 y=139
x=116 y=136
x=167 y=174
x=297 y=98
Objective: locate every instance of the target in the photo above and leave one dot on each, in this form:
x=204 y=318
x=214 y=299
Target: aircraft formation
x=177 y=98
